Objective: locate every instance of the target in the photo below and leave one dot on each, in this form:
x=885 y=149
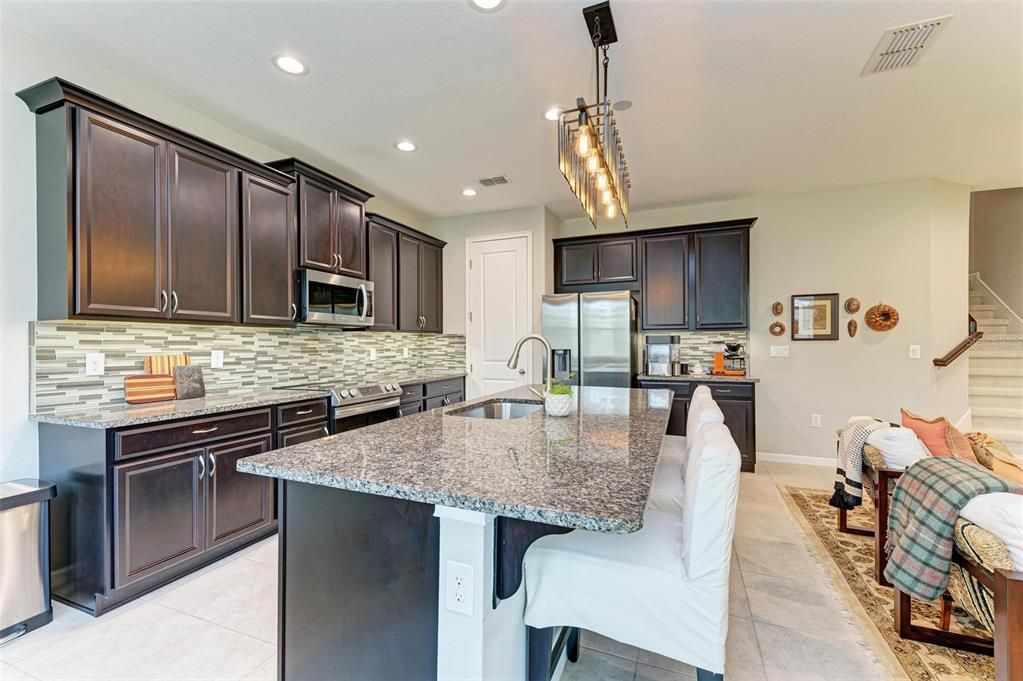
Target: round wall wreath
x=777 y=329
x=881 y=317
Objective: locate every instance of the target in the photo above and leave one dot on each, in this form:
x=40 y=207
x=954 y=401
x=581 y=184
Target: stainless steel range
x=358 y=406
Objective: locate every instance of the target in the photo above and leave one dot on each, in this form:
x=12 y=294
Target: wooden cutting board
x=164 y=364
x=143 y=388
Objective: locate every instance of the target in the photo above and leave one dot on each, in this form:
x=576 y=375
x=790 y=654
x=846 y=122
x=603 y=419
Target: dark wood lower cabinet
x=300 y=434
x=417 y=397
x=159 y=509
x=237 y=503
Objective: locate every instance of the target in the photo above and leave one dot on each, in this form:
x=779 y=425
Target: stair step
x=996 y=371
x=999 y=391
x=1000 y=412
x=982 y=311
x=996 y=359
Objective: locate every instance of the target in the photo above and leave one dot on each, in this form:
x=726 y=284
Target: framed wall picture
x=815 y=316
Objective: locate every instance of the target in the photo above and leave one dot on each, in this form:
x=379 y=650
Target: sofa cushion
x=984 y=446
x=939 y=435
x=898 y=447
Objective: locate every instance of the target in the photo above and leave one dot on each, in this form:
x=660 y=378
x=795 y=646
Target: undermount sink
x=499 y=409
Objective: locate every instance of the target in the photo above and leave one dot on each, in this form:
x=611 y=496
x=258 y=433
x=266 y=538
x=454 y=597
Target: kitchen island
x=402 y=543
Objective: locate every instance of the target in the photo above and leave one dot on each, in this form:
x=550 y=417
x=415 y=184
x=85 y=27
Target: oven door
x=366 y=414
x=333 y=299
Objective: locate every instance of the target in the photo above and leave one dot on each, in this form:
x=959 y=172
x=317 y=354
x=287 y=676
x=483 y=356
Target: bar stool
x=664 y=587
x=668 y=486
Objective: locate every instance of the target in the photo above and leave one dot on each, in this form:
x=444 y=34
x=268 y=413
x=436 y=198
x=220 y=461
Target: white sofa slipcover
x=663 y=588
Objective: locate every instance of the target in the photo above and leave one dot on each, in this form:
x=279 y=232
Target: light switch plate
x=779 y=351
x=459 y=587
x=95 y=363
x=815 y=420
x=914 y=352
x=372 y=354
x=216 y=359
x=404 y=352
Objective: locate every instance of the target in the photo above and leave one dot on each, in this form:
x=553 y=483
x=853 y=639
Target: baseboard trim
x=828 y=461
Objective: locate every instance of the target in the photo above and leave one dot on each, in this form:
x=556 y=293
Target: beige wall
x=24 y=61
x=996 y=242
x=903 y=243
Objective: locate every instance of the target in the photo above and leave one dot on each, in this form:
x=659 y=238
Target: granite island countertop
x=592 y=469
x=699 y=378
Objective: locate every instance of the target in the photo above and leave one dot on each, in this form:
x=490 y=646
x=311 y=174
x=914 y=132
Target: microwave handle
x=365 y=303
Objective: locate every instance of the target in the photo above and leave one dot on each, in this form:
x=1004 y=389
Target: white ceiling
x=731 y=98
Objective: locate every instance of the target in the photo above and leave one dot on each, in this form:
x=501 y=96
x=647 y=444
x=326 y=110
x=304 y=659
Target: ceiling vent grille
x=493 y=181
x=902 y=46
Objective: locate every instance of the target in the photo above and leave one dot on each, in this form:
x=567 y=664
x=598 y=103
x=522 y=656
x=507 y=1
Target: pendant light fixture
x=590 y=153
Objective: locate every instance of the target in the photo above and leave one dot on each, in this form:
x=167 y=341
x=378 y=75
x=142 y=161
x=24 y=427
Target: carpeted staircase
x=996 y=375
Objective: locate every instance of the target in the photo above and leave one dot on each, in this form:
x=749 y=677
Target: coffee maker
x=662 y=354
x=731 y=362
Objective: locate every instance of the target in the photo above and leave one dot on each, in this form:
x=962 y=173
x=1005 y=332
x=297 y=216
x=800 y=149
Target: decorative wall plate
x=881 y=317
x=777 y=329
x=852 y=305
x=851 y=326
x=777 y=308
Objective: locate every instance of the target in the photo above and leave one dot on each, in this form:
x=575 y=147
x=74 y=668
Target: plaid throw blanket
x=924 y=510
x=849 y=474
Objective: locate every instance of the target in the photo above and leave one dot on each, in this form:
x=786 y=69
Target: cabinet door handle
x=303 y=412
x=446 y=401
x=294 y=312
x=163 y=300
x=340 y=261
x=205 y=430
x=202 y=466
x=325 y=431
x=174 y=302
x=213 y=464
x=401 y=412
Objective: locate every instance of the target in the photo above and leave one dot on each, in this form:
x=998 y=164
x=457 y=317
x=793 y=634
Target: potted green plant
x=558 y=400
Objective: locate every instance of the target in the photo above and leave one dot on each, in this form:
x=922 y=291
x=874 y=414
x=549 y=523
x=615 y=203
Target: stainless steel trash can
x=24 y=556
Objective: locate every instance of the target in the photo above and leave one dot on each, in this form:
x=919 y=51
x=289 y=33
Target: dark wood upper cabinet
x=268 y=252
x=382 y=270
x=121 y=238
x=616 y=261
x=430 y=288
x=203 y=226
x=665 y=282
x=351 y=237
x=578 y=264
x=159 y=508
x=408 y=283
x=238 y=503
x=721 y=288
x=316 y=215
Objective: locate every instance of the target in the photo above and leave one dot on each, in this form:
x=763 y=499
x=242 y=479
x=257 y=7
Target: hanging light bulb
x=592 y=163
x=601 y=180
x=611 y=211
x=583 y=146
x=606 y=198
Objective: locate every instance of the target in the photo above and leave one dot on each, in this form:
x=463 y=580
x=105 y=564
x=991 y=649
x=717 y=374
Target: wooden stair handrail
x=953 y=354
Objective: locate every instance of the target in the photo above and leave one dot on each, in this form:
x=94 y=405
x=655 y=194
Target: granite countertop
x=700 y=378
x=592 y=469
x=121 y=415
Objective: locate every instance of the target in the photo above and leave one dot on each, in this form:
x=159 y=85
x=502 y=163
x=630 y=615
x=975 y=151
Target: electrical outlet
x=404 y=352
x=372 y=354
x=95 y=363
x=815 y=420
x=216 y=359
x=458 y=589
x=914 y=352
x=779 y=351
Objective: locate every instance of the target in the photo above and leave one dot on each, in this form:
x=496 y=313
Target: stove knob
x=387 y=388
x=344 y=394
x=355 y=392
x=395 y=387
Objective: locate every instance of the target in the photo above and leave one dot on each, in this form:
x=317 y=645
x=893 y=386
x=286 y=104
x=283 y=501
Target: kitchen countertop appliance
x=731 y=362
x=593 y=336
x=358 y=406
x=333 y=299
x=662 y=354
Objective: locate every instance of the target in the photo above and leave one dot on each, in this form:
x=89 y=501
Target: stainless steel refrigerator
x=599 y=332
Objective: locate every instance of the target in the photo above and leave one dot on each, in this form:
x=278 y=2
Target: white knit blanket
x=849 y=471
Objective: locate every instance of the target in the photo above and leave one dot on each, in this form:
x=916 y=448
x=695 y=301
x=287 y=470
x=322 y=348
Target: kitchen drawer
x=300 y=434
x=411 y=392
x=731 y=391
x=680 y=389
x=438 y=388
x=442 y=401
x=409 y=408
x=139 y=441
x=299 y=412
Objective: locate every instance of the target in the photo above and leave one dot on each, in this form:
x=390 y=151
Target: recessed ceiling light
x=552 y=113
x=486 y=5
x=404 y=145
x=291 y=65
x=468 y=191
x=623 y=105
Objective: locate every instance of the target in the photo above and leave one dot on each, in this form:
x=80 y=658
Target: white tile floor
x=220 y=623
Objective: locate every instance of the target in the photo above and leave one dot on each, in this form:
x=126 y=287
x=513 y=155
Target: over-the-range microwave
x=334 y=299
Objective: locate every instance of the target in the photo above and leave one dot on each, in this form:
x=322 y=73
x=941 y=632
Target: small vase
x=557 y=405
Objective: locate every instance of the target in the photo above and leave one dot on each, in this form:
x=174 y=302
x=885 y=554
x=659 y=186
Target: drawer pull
x=205 y=430
x=303 y=412
x=722 y=390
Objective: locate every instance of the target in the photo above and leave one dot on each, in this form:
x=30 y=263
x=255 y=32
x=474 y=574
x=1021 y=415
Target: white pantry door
x=499 y=310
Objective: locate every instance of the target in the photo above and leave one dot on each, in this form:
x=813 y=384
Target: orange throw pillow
x=1007 y=466
x=960 y=444
x=933 y=433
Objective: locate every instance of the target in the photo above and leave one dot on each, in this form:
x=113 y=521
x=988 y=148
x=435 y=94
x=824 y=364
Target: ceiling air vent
x=902 y=46
x=493 y=181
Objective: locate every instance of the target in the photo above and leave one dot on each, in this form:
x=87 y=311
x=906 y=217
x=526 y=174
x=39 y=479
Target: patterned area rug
x=850 y=560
